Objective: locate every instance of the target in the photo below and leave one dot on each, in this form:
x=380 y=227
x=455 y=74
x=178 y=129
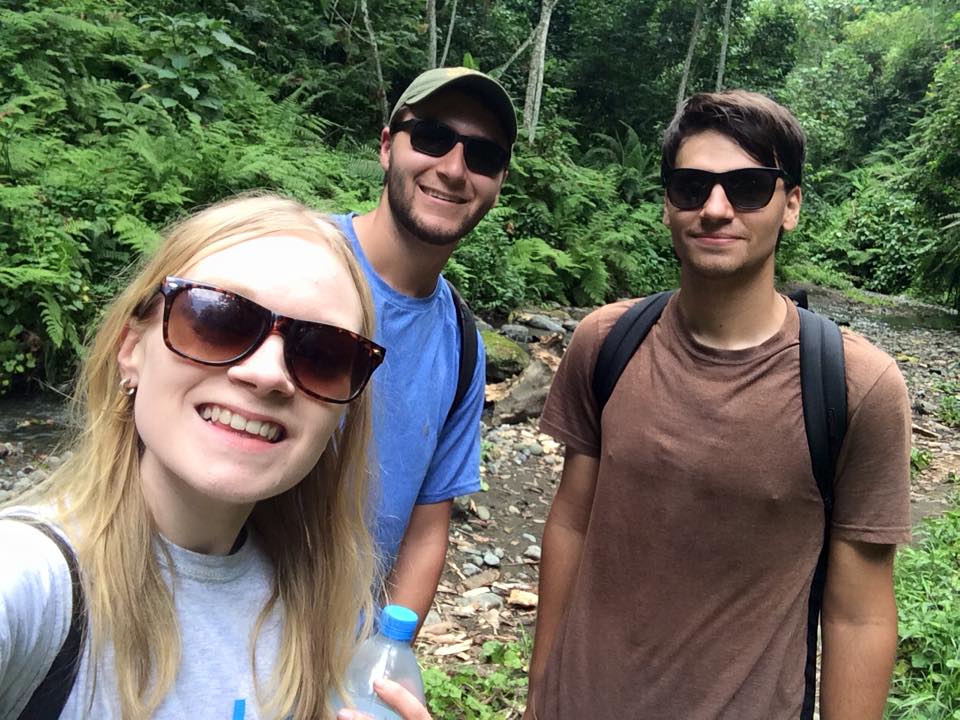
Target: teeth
x=441 y=196
x=267 y=430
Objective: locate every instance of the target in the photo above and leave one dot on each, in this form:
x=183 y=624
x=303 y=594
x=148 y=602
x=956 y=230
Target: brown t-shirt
x=691 y=597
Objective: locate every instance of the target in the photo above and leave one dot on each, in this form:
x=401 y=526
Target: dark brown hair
x=766 y=130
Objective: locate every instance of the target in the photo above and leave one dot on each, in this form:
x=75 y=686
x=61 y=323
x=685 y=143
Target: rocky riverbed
x=488 y=590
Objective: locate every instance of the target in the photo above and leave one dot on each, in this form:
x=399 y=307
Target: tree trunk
x=446 y=45
x=381 y=87
x=723 y=45
x=431 y=34
x=526 y=43
x=531 y=106
x=682 y=91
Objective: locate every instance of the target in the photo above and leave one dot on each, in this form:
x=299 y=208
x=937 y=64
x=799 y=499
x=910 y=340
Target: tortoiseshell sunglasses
x=212 y=326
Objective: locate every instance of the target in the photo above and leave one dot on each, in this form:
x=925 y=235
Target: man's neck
x=406 y=263
x=730 y=314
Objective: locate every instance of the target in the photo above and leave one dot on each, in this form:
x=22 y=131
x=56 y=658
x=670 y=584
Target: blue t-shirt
x=422 y=457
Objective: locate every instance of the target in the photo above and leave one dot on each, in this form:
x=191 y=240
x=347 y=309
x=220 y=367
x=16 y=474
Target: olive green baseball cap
x=472 y=81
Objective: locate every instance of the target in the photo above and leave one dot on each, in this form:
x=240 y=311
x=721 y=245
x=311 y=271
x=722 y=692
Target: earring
x=127 y=387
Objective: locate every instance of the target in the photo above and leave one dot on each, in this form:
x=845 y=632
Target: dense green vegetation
x=116 y=116
x=926 y=680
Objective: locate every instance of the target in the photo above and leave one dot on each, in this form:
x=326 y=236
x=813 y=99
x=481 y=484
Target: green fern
x=52 y=315
x=136 y=234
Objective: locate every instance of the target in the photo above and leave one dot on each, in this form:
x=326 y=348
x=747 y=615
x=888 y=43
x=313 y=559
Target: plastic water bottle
x=385 y=655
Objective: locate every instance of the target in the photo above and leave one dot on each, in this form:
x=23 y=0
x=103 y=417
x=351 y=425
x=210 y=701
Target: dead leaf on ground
x=453 y=649
x=486 y=577
x=523 y=598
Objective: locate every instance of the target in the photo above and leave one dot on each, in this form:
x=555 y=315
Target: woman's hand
x=397 y=697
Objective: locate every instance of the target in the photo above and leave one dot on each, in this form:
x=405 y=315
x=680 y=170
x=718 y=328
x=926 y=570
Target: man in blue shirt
x=445 y=153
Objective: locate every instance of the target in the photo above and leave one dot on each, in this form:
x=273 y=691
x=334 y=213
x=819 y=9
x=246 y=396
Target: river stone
x=484 y=601
x=491 y=559
x=487 y=601
x=527 y=397
x=483 y=512
x=542 y=322
x=469 y=569
x=505 y=358
x=532 y=552
x=517 y=333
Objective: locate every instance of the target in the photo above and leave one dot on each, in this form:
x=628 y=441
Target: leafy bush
x=467 y=693
x=948 y=410
x=919 y=461
x=926 y=679
x=862 y=226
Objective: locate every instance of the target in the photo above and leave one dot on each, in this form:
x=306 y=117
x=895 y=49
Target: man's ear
x=130 y=355
x=386 y=142
x=665 y=218
x=791 y=211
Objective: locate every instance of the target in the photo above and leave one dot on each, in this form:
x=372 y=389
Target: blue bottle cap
x=398 y=622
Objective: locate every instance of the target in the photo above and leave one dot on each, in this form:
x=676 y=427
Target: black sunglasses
x=746 y=189
x=212 y=326
x=434 y=138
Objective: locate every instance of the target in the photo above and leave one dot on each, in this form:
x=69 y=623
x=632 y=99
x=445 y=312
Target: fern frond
x=13 y=276
x=52 y=315
x=136 y=234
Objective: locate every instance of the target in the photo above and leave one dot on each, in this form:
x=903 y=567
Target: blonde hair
x=315 y=534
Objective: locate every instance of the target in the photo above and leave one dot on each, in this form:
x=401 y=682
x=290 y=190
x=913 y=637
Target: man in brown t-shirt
x=681 y=546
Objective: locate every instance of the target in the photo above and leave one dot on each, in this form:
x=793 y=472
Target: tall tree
x=432 y=34
x=446 y=45
x=531 y=106
x=381 y=86
x=724 y=43
x=688 y=61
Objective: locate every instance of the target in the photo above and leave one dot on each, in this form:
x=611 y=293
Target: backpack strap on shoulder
x=823 y=387
x=50 y=696
x=467 y=326
x=622 y=342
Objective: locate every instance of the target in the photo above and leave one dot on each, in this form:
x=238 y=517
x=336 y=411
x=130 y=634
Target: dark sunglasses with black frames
x=434 y=138
x=746 y=189
x=212 y=326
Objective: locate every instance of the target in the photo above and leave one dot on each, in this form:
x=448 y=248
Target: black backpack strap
x=622 y=342
x=50 y=696
x=467 y=326
x=823 y=387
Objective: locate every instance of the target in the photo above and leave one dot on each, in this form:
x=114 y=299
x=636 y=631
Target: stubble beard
x=720 y=268
x=401 y=207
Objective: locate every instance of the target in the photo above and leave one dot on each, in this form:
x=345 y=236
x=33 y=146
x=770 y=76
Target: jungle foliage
x=117 y=116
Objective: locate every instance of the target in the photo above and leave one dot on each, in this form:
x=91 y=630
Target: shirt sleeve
x=36 y=598
x=872 y=486
x=571 y=414
x=455 y=467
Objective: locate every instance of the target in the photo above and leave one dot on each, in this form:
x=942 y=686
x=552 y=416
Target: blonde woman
x=213 y=510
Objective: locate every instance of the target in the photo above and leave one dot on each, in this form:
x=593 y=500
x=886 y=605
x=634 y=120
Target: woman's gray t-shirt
x=217 y=600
